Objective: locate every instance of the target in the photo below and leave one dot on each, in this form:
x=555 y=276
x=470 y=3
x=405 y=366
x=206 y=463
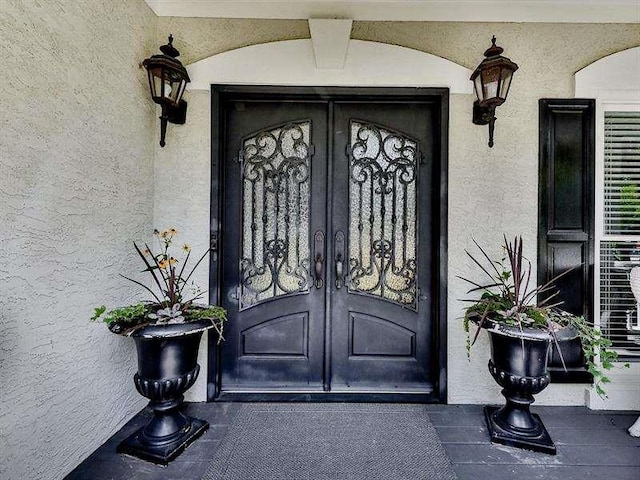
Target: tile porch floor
x=591 y=445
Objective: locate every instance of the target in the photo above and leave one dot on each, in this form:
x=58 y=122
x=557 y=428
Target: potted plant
x=167 y=332
x=521 y=333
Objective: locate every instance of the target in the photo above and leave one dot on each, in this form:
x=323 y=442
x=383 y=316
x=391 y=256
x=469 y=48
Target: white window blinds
x=622 y=173
x=620 y=242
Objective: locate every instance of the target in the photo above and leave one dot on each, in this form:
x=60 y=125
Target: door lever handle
x=318 y=248
x=318 y=271
x=339 y=272
x=338 y=252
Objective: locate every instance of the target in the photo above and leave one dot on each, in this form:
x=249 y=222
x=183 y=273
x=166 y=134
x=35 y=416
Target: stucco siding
x=76 y=186
x=198 y=38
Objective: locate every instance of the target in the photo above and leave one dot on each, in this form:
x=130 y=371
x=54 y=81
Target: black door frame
x=437 y=96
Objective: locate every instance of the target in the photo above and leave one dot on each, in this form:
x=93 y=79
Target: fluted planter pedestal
x=167 y=367
x=519 y=365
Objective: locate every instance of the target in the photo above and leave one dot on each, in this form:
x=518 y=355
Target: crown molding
x=547 y=11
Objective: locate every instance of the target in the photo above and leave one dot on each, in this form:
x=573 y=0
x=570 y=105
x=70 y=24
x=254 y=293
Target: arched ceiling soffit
x=294 y=62
x=616 y=72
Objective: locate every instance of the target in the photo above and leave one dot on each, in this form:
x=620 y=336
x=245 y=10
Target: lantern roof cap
x=172 y=51
x=167 y=60
x=494 y=58
x=493 y=49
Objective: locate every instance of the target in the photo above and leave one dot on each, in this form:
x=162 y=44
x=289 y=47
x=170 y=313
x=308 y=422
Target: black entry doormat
x=330 y=442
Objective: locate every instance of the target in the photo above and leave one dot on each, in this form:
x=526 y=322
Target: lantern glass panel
x=154 y=83
x=158 y=91
x=164 y=91
x=490 y=83
x=507 y=75
x=477 y=83
x=171 y=90
x=180 y=90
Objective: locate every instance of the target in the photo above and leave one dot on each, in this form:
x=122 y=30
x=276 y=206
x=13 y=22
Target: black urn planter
x=167 y=367
x=519 y=360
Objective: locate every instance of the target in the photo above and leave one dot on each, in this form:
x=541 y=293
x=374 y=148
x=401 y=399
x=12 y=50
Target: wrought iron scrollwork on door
x=276 y=191
x=383 y=213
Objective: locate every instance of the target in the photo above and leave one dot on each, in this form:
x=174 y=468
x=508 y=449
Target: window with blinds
x=620 y=242
x=622 y=173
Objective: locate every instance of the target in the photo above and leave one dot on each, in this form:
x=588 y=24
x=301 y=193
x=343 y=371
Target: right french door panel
x=380 y=306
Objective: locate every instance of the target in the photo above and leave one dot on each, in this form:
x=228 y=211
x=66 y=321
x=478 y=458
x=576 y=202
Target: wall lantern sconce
x=167 y=81
x=491 y=80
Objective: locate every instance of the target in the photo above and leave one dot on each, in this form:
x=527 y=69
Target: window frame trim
x=606 y=101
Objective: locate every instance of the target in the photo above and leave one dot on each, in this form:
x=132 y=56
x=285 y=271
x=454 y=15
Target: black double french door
x=330 y=258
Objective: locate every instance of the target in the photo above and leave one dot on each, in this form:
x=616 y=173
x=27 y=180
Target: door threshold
x=329 y=397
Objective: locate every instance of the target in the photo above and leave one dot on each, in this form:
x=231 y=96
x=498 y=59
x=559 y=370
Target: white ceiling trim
x=292 y=62
x=552 y=11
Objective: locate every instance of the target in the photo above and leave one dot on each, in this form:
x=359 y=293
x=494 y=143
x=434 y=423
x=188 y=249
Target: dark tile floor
x=591 y=445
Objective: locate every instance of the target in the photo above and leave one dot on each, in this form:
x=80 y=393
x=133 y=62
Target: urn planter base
x=167 y=367
x=160 y=453
x=537 y=439
x=518 y=364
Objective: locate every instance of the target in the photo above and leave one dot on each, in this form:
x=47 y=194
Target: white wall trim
x=614 y=82
x=552 y=11
x=292 y=62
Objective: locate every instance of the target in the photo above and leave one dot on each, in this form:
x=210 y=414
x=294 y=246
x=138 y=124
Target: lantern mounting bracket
x=171 y=114
x=485 y=116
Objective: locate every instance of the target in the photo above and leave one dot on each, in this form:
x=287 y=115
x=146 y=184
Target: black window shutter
x=566 y=216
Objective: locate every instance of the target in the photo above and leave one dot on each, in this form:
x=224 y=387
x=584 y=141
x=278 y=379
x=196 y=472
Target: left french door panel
x=275 y=169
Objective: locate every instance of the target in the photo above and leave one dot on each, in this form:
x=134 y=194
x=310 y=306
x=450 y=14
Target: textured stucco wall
x=76 y=186
x=182 y=198
x=491 y=191
x=198 y=38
